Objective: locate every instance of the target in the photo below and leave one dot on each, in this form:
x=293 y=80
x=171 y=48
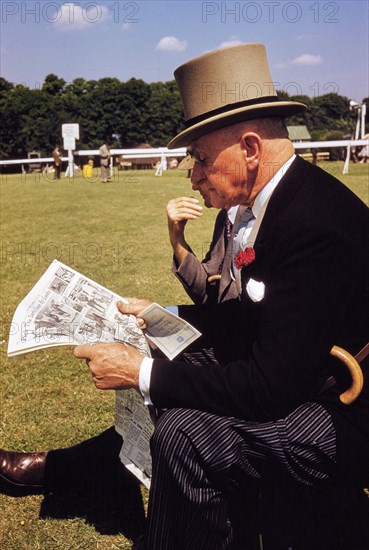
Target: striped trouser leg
x=199 y=458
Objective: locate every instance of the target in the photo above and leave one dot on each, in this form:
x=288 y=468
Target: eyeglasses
x=203 y=162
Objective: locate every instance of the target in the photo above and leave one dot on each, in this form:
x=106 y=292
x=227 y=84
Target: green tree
x=100 y=111
x=53 y=85
x=164 y=113
x=133 y=112
x=331 y=112
x=9 y=128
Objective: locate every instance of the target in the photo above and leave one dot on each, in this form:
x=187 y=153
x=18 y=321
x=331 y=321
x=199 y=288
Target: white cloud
x=308 y=37
x=233 y=41
x=73 y=17
x=171 y=44
x=307 y=59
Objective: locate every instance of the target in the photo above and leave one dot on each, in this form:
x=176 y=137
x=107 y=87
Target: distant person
x=158 y=168
x=173 y=163
x=58 y=157
x=105 y=161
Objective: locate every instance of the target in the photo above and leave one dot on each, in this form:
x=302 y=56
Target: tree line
x=126 y=113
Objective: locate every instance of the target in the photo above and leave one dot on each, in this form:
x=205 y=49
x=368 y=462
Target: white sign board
x=69 y=143
x=70 y=131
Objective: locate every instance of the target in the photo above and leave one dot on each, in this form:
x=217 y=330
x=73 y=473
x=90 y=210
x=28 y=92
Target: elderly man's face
x=220 y=171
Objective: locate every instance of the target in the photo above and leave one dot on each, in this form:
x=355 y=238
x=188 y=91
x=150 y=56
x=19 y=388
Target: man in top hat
x=303 y=274
x=302 y=269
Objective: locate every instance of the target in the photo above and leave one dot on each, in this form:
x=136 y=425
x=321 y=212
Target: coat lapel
x=281 y=197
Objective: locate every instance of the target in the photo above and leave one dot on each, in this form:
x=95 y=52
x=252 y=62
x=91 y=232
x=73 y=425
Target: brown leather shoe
x=22 y=469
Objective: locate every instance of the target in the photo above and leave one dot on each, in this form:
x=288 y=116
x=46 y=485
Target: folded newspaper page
x=167 y=331
x=67 y=308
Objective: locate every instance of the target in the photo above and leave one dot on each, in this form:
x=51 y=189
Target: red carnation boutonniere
x=244 y=258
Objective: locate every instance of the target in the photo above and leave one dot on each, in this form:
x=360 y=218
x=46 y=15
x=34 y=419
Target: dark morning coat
x=312 y=254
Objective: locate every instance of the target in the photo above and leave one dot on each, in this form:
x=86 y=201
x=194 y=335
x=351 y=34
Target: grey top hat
x=227 y=86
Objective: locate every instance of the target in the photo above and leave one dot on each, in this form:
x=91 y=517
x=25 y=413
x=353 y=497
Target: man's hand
x=179 y=211
x=134 y=307
x=182 y=209
x=113 y=366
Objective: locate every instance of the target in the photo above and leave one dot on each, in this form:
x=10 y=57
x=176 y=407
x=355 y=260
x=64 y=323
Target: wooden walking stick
x=353 y=365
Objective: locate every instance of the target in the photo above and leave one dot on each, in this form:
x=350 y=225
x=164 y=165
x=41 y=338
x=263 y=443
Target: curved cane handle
x=212 y=278
x=353 y=366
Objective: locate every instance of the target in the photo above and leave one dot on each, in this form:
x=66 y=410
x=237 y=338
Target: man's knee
x=169 y=427
x=177 y=432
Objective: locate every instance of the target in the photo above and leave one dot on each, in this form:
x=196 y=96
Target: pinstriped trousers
x=200 y=459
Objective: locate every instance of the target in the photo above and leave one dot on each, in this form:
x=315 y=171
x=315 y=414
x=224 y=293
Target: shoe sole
x=18 y=484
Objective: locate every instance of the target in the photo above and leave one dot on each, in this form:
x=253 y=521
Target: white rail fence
x=164 y=153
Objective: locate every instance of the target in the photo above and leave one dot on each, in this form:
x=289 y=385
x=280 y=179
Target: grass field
x=117 y=235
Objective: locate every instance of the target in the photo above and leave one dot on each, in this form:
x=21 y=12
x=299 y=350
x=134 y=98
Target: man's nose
x=197 y=176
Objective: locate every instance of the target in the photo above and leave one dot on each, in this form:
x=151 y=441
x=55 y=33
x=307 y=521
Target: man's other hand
x=113 y=366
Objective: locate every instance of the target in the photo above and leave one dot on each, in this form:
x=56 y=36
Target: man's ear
x=251 y=145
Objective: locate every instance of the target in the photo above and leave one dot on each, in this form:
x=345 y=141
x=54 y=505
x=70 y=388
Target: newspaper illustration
x=67 y=308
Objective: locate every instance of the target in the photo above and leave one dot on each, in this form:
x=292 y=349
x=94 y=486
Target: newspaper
x=67 y=308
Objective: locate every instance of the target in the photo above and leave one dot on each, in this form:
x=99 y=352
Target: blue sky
x=313 y=47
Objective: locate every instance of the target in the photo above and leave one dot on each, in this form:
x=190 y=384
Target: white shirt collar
x=232 y=213
x=270 y=186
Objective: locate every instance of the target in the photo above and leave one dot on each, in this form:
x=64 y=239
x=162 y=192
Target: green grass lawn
x=117 y=235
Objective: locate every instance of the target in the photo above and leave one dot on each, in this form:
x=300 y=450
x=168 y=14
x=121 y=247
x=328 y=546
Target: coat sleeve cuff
x=144 y=379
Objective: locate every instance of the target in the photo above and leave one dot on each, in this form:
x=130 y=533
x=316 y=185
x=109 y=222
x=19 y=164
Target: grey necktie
x=228 y=229
x=228 y=226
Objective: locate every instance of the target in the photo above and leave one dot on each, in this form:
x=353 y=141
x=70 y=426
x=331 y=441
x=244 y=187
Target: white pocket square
x=256 y=290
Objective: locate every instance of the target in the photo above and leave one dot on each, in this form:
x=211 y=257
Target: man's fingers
x=187 y=210
x=134 y=306
x=129 y=309
x=83 y=352
x=141 y=323
x=181 y=200
x=183 y=206
x=184 y=212
x=112 y=365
